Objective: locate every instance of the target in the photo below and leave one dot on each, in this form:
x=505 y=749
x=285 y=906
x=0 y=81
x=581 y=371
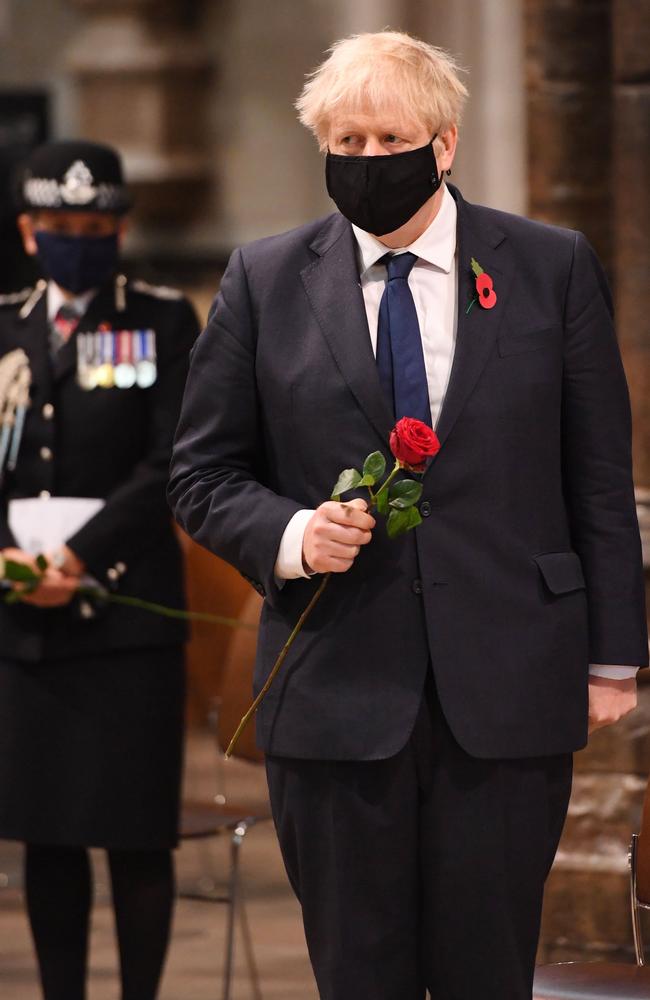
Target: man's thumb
x=359 y=503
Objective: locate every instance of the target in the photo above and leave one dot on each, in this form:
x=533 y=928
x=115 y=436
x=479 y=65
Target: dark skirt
x=91 y=749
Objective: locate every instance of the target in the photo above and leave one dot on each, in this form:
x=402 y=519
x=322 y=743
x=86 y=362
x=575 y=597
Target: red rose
x=412 y=442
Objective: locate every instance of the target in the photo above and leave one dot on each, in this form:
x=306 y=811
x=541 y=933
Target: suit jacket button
x=425 y=508
x=416 y=586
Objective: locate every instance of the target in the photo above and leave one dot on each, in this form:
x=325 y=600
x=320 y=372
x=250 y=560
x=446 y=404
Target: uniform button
x=120 y=568
x=425 y=508
x=45 y=494
x=48 y=411
x=46 y=453
x=112 y=574
x=416 y=586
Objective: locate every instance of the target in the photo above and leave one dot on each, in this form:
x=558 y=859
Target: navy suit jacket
x=527 y=565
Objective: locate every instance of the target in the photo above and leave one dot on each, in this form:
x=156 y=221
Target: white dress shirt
x=56 y=299
x=433 y=281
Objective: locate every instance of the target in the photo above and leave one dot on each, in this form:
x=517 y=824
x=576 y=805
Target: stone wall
x=588 y=106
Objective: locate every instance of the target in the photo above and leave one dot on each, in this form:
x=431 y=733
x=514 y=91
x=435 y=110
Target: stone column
x=568 y=69
x=631 y=218
x=141 y=71
x=487 y=39
x=589 y=160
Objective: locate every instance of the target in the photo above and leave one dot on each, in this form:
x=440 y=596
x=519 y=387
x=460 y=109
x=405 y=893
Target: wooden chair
x=201 y=820
x=608 y=980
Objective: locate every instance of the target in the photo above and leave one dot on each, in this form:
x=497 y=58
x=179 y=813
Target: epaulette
x=158 y=291
x=15 y=298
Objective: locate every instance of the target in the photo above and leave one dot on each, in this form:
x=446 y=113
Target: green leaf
x=401 y=521
x=348 y=480
x=404 y=494
x=41 y=562
x=476 y=267
x=19 y=572
x=374 y=466
x=366 y=481
x=381 y=500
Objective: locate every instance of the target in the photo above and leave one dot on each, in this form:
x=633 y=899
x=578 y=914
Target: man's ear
x=26 y=228
x=445 y=146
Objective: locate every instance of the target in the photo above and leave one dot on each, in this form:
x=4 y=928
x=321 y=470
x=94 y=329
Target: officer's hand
x=610 y=700
x=18 y=556
x=334 y=535
x=68 y=562
x=55 y=590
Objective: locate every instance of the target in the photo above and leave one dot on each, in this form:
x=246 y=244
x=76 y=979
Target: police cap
x=73 y=175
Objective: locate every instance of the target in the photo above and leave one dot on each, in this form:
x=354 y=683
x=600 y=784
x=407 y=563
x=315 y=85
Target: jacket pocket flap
x=562 y=571
x=520 y=343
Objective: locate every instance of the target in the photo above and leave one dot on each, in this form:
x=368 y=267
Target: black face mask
x=77 y=263
x=380 y=193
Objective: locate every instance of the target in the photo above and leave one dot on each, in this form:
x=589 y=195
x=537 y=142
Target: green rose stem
x=25 y=575
x=163 y=610
x=374 y=498
x=384 y=487
x=276 y=666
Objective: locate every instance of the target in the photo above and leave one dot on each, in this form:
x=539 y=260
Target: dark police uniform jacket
x=113 y=444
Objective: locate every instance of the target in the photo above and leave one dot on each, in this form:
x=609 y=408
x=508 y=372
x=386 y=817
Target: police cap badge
x=73 y=175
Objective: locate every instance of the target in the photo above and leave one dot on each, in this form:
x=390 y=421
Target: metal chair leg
x=233 y=905
x=636 y=916
x=248 y=945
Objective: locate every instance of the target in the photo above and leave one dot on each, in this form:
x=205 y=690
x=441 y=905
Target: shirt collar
x=436 y=245
x=56 y=298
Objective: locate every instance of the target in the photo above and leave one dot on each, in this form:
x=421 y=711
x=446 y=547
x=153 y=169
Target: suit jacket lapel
x=478 y=329
x=334 y=292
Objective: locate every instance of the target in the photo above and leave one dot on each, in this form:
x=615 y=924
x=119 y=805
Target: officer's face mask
x=380 y=193
x=77 y=263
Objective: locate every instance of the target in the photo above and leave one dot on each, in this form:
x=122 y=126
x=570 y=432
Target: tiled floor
x=195 y=959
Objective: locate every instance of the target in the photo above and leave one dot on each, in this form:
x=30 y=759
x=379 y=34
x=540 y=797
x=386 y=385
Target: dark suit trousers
x=422 y=871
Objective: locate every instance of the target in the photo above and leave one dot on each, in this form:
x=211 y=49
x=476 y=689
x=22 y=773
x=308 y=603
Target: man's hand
x=334 y=536
x=18 y=556
x=56 y=588
x=610 y=700
x=68 y=562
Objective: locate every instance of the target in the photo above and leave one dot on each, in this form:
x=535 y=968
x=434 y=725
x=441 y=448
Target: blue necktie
x=400 y=360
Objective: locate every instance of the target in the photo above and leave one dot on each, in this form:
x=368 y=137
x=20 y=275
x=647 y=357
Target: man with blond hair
x=420 y=733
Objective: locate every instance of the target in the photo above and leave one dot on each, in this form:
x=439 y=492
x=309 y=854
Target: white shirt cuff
x=615 y=673
x=288 y=565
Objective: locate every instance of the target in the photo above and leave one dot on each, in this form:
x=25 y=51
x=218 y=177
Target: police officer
x=91 y=696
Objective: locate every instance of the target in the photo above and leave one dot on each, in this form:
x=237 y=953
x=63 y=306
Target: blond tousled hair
x=384 y=70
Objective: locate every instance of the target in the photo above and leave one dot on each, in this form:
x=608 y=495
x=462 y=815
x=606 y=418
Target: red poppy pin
x=485 y=294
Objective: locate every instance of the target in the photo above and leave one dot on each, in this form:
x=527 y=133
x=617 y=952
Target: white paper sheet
x=43 y=524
